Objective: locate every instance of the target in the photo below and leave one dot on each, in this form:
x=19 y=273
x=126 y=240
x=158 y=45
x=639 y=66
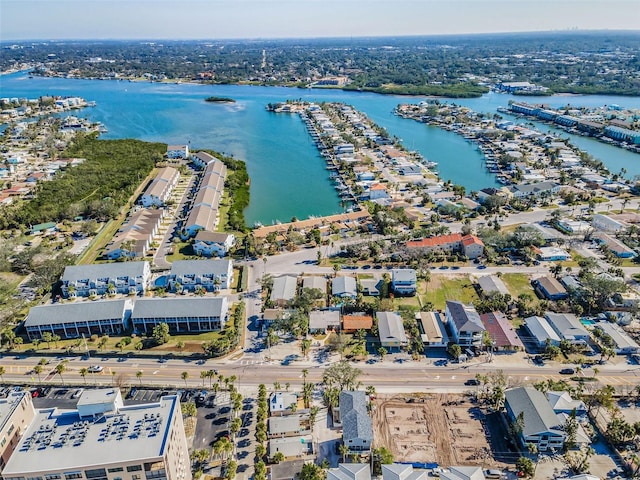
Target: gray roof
x=566 y=325
x=350 y=471
x=541 y=330
x=403 y=275
x=290 y=446
x=104 y=270
x=323 y=319
x=344 y=286
x=356 y=422
x=60 y=313
x=203 y=307
x=390 y=327
x=538 y=413
x=402 y=471
x=534 y=187
x=284 y=288
x=491 y=284
x=286 y=424
x=200 y=267
x=465 y=318
x=315 y=282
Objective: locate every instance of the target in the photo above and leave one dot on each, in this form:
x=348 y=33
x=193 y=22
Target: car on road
x=95 y=368
x=568 y=371
x=472 y=382
x=481 y=267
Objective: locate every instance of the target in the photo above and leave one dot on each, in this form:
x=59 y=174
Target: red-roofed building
x=501 y=332
x=377 y=190
x=353 y=323
x=470 y=245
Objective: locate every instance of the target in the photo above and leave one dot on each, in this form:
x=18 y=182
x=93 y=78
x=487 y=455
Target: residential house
x=403 y=281
x=377 y=191
x=549 y=288
x=72 y=320
x=624 y=344
x=573 y=227
x=391 y=330
x=541 y=331
x=401 y=471
x=607 y=224
x=491 y=285
x=181 y=314
x=541 y=426
x=177 y=151
x=551 y=254
x=465 y=324
x=352 y=414
x=99 y=279
x=344 y=287
x=284 y=290
x=159 y=190
x=562 y=402
x=501 y=333
x=362 y=471
x=211 y=275
x=290 y=447
x=370 y=286
x=534 y=189
x=43 y=228
x=289 y=426
x=432 y=330
x=353 y=323
x=280 y=403
x=618 y=248
x=462 y=473
x=315 y=283
x=568 y=327
x=469 y=245
x=320 y=321
x=213 y=244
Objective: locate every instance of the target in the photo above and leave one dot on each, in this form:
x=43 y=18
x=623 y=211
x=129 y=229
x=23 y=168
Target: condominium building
x=181 y=314
x=138 y=442
x=16 y=413
x=122 y=277
x=159 y=190
x=212 y=275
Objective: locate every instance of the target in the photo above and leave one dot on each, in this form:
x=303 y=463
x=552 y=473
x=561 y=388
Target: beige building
x=16 y=413
x=103 y=440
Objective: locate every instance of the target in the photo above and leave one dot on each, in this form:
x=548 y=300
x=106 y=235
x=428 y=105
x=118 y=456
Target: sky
x=251 y=19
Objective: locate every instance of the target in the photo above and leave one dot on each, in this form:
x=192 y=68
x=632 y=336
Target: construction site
x=446 y=429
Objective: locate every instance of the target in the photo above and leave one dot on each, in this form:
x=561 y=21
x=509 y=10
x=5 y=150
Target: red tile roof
x=436 y=241
x=470 y=240
x=357 y=322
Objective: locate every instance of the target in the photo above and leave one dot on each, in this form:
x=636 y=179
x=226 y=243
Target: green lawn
x=518 y=283
x=440 y=289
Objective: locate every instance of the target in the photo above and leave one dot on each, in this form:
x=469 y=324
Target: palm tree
x=47 y=337
x=344 y=451
x=38 y=370
x=184 y=376
x=305 y=345
x=203 y=375
x=313 y=413
x=139 y=374
x=276 y=386
x=55 y=339
x=60 y=369
x=83 y=373
x=2 y=372
x=305 y=372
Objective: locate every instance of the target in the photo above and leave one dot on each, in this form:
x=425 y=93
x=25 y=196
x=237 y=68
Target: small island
x=219 y=100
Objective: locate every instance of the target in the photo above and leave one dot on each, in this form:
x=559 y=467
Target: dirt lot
x=442 y=428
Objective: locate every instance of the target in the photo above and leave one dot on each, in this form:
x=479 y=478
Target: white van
x=77 y=393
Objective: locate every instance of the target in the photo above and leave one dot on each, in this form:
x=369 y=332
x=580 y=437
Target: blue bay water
x=288 y=176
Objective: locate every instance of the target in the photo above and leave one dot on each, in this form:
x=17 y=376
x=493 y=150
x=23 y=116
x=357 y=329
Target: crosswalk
x=255 y=362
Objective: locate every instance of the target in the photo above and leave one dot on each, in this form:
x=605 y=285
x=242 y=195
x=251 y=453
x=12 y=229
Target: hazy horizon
x=46 y=20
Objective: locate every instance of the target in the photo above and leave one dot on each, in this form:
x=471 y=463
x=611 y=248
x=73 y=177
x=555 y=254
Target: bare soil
x=441 y=428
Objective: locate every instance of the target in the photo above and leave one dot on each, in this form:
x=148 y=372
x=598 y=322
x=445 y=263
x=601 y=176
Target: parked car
x=77 y=393
x=568 y=371
x=493 y=473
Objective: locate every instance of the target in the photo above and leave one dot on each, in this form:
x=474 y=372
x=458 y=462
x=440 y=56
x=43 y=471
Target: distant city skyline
x=252 y=19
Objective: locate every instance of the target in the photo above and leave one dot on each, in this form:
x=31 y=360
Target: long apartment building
x=135 y=236
x=470 y=245
x=181 y=314
x=204 y=211
x=86 y=280
x=103 y=440
x=159 y=190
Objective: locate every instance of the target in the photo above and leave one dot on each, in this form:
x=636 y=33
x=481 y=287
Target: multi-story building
x=181 y=314
x=177 y=151
x=98 y=279
x=135 y=236
x=213 y=244
x=403 y=281
x=159 y=190
x=138 y=442
x=212 y=275
x=465 y=324
x=16 y=414
x=470 y=245
x=72 y=320
x=204 y=209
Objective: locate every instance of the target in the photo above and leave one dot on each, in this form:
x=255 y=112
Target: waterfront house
x=284 y=290
x=206 y=203
x=534 y=189
x=159 y=190
x=213 y=244
x=377 y=191
x=541 y=331
x=568 y=327
x=344 y=287
x=99 y=279
x=352 y=414
x=541 y=426
x=464 y=323
x=394 y=471
x=432 y=330
x=72 y=320
x=491 y=285
x=212 y=275
x=202 y=159
x=177 y=151
x=549 y=288
x=391 y=330
x=359 y=321
x=501 y=333
x=403 y=281
x=321 y=321
x=181 y=314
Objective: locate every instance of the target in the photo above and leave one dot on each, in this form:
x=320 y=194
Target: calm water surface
x=288 y=177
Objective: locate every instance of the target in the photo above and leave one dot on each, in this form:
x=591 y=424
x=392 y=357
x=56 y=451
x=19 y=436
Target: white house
x=607 y=224
x=391 y=330
x=212 y=275
x=177 y=151
x=213 y=244
x=465 y=324
x=159 y=190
